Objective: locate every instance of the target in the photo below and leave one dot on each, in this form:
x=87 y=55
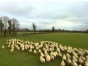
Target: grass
x=18 y=58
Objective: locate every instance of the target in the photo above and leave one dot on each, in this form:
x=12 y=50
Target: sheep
x=69 y=51
x=11 y=50
x=79 y=65
x=42 y=60
x=23 y=48
x=62 y=63
x=35 y=52
x=39 y=50
x=83 y=58
x=74 y=63
x=64 y=57
x=30 y=50
x=42 y=54
x=65 y=48
x=80 y=53
x=51 y=57
x=49 y=50
x=86 y=63
x=58 y=50
x=59 y=54
x=69 y=61
x=75 y=59
x=54 y=54
x=68 y=56
x=17 y=47
x=26 y=47
x=81 y=61
x=47 y=58
x=75 y=49
x=3 y=47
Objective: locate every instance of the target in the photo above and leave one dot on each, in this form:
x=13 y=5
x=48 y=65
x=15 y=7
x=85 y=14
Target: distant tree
x=34 y=27
x=1 y=26
x=53 y=29
x=15 y=26
x=5 y=22
x=10 y=26
x=14 y=31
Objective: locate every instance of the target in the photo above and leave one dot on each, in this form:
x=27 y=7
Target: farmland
x=78 y=40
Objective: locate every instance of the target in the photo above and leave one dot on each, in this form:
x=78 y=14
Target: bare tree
x=34 y=27
x=10 y=26
x=15 y=26
x=5 y=22
x=1 y=26
x=53 y=29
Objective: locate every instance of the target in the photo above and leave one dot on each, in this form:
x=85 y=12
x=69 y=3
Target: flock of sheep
x=49 y=50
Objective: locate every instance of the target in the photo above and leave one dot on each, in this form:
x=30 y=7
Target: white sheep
x=3 y=47
x=11 y=50
x=80 y=53
x=86 y=63
x=30 y=50
x=35 y=52
x=81 y=61
x=68 y=56
x=42 y=54
x=42 y=60
x=59 y=54
x=69 y=61
x=62 y=63
x=47 y=58
x=64 y=57
x=74 y=63
x=51 y=57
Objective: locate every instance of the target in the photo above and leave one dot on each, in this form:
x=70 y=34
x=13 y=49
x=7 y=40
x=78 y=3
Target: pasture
x=78 y=40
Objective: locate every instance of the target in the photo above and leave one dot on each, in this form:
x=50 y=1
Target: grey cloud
x=45 y=14
x=16 y=9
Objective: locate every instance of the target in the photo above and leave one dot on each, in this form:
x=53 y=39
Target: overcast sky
x=70 y=15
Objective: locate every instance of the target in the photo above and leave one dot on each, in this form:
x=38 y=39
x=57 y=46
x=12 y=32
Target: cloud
x=16 y=9
x=65 y=15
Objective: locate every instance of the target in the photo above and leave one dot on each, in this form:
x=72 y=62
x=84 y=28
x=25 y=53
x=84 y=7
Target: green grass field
x=18 y=58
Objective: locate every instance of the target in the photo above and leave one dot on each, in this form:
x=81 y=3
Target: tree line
x=11 y=27
x=8 y=26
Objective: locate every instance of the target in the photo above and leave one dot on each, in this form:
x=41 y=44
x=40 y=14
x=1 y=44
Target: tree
x=1 y=26
x=15 y=26
x=5 y=22
x=53 y=29
x=10 y=26
x=34 y=27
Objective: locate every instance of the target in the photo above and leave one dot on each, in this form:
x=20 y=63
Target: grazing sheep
x=68 y=56
x=11 y=50
x=30 y=50
x=47 y=58
x=49 y=50
x=69 y=61
x=3 y=47
x=35 y=52
x=23 y=48
x=42 y=54
x=86 y=63
x=39 y=50
x=80 y=53
x=42 y=60
x=64 y=57
x=51 y=57
x=59 y=54
x=74 y=63
x=74 y=58
x=80 y=61
x=62 y=63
